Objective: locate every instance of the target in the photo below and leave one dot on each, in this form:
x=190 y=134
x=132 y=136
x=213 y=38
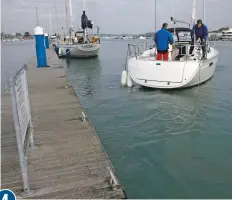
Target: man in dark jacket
x=162 y=38
x=201 y=32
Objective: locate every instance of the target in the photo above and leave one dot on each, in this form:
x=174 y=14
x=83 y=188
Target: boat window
x=184 y=36
x=174 y=37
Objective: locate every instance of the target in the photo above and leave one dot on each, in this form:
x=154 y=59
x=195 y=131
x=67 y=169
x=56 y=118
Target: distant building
x=142 y=38
x=226 y=35
x=18 y=35
x=6 y=36
x=2 y=35
x=26 y=36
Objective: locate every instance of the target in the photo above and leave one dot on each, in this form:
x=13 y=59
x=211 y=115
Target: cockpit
x=181 y=35
x=182 y=38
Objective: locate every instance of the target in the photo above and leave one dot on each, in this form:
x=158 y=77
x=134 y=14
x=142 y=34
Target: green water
x=163 y=144
x=175 y=144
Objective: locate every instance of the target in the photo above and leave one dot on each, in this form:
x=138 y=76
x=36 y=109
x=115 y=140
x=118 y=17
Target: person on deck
x=162 y=38
x=201 y=32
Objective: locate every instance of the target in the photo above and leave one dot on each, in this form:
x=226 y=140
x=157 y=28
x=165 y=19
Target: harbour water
x=13 y=56
x=163 y=144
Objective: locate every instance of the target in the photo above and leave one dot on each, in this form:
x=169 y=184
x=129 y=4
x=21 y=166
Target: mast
x=204 y=19
x=66 y=12
x=155 y=16
x=57 y=29
x=70 y=13
x=193 y=19
x=50 y=22
x=94 y=11
x=37 y=18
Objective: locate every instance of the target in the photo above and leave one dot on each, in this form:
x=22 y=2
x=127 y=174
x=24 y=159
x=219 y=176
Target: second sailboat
x=78 y=43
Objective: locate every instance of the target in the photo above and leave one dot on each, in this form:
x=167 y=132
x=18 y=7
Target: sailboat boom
x=181 y=21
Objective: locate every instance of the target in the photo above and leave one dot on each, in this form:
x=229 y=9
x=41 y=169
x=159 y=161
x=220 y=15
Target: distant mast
x=57 y=29
x=83 y=9
x=83 y=5
x=37 y=18
x=50 y=22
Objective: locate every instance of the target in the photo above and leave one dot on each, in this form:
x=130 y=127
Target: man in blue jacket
x=162 y=38
x=201 y=32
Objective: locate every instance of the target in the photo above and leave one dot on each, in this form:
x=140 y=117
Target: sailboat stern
x=78 y=51
x=162 y=74
x=87 y=50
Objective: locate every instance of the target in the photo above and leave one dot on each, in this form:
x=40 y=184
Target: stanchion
x=46 y=41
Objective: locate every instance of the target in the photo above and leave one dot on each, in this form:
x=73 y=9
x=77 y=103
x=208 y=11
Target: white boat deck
x=149 y=55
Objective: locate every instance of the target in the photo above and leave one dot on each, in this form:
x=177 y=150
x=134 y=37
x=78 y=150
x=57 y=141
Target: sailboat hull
x=78 y=51
x=148 y=72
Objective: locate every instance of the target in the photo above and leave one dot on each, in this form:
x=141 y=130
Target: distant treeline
x=17 y=35
x=151 y=34
x=221 y=29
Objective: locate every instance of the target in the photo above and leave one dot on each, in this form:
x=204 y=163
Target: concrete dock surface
x=70 y=162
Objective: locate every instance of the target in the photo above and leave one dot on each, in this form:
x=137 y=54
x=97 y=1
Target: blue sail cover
x=85 y=23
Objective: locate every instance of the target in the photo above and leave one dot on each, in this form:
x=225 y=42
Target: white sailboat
x=78 y=44
x=180 y=71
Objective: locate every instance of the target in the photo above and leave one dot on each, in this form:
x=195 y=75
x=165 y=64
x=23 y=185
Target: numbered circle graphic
x=7 y=195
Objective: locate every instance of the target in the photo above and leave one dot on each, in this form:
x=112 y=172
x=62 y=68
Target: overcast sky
x=113 y=16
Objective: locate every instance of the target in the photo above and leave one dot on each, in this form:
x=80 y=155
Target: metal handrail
x=187 y=48
x=24 y=131
x=134 y=50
